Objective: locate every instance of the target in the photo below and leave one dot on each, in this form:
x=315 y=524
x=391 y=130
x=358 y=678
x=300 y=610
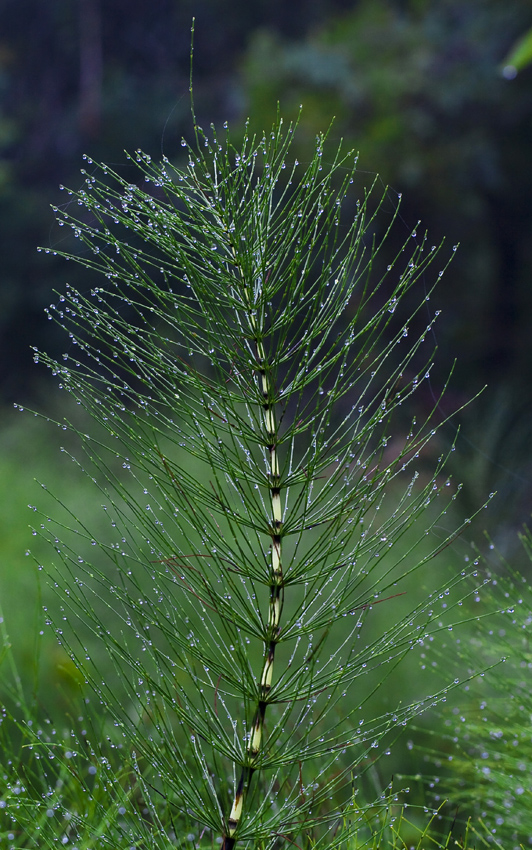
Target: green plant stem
x=271 y=637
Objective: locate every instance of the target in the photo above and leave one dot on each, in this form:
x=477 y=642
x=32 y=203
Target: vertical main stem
x=276 y=594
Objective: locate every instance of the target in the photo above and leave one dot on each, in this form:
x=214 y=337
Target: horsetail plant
x=243 y=360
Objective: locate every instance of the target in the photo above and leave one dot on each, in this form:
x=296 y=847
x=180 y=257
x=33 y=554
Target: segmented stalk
x=276 y=593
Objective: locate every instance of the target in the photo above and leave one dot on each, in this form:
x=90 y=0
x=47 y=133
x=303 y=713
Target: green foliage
x=488 y=742
x=520 y=56
x=29 y=454
x=243 y=360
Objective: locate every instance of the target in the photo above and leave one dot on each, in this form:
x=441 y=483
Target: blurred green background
x=419 y=87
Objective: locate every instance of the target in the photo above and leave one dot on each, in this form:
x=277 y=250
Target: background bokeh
x=417 y=87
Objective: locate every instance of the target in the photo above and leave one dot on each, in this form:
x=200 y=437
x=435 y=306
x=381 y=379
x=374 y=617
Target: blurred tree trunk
x=91 y=67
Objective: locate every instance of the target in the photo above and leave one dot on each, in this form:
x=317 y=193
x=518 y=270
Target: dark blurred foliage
x=417 y=88
x=415 y=85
